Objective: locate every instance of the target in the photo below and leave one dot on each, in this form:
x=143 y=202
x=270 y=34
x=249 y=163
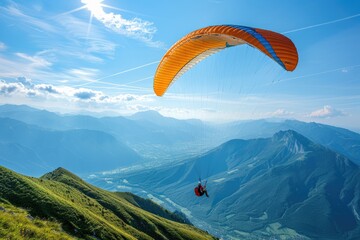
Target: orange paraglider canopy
x=201 y=43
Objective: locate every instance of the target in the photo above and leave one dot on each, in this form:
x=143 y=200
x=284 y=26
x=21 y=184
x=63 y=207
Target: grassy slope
x=87 y=211
x=16 y=223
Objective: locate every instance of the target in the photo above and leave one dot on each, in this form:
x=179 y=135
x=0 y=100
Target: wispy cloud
x=13 y=11
x=34 y=61
x=21 y=64
x=326 y=112
x=137 y=28
x=281 y=113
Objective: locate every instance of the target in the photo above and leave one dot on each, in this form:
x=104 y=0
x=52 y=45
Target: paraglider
x=203 y=42
x=200 y=189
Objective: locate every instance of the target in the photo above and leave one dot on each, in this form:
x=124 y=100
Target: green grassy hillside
x=17 y=223
x=88 y=212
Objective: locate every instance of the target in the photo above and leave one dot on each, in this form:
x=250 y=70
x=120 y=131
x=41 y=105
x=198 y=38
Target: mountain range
x=285 y=186
x=84 y=211
x=338 y=139
x=146 y=138
x=149 y=134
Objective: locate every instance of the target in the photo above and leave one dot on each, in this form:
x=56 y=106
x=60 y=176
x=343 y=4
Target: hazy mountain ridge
x=156 y=137
x=40 y=149
x=89 y=212
x=148 y=133
x=284 y=186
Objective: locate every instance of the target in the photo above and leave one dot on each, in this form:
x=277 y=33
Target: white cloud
x=326 y=112
x=85 y=94
x=281 y=113
x=25 y=81
x=6 y=89
x=24 y=88
x=136 y=28
x=46 y=88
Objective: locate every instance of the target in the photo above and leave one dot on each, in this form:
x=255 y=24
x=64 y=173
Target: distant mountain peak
x=294 y=141
x=12 y=107
x=289 y=134
x=147 y=115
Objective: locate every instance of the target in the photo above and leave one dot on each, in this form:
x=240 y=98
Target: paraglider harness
x=200 y=189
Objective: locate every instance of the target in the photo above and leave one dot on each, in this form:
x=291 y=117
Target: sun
x=96 y=9
x=94 y=6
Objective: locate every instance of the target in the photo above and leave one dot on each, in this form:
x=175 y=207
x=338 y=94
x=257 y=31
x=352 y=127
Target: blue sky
x=70 y=57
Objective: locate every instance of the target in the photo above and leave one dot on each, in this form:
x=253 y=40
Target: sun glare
x=94 y=6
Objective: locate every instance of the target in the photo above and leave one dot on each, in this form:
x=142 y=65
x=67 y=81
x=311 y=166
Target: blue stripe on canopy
x=262 y=40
